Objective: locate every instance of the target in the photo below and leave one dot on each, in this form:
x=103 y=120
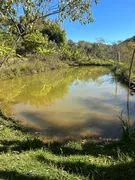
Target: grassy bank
x=122 y=72
x=32 y=64
x=92 y=62
x=26 y=156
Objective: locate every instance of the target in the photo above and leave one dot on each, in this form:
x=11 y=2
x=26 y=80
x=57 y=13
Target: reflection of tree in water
x=7 y=108
x=8 y=93
x=46 y=88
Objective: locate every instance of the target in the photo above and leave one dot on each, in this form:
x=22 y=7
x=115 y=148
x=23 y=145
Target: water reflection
x=46 y=88
x=67 y=103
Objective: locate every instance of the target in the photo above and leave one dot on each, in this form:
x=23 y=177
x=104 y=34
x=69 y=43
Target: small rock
x=1 y=127
x=16 y=152
x=109 y=157
x=83 y=141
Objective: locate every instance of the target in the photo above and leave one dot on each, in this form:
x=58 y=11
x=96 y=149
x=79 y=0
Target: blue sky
x=113 y=20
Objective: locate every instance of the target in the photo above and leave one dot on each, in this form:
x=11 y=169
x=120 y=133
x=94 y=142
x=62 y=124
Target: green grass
x=122 y=72
x=25 y=156
x=91 y=62
x=36 y=63
x=31 y=64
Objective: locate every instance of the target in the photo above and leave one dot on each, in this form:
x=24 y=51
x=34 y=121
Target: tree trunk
x=130 y=69
x=128 y=92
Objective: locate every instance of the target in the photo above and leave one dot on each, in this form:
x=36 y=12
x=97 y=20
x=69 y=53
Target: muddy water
x=68 y=103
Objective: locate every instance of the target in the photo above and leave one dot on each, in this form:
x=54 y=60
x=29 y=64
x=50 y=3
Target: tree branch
x=5 y=59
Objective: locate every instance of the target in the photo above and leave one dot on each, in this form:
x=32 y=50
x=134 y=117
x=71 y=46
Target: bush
x=66 y=53
x=54 y=32
x=33 y=41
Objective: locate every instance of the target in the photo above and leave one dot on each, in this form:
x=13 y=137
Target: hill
x=132 y=39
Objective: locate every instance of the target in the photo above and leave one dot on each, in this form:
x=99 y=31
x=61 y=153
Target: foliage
x=67 y=53
x=91 y=49
x=128 y=132
x=33 y=41
x=85 y=47
x=71 y=44
x=54 y=32
x=21 y=26
x=7 y=39
x=104 y=51
x=93 y=62
x=44 y=51
x=4 y=51
x=35 y=10
x=32 y=64
x=122 y=72
x=127 y=50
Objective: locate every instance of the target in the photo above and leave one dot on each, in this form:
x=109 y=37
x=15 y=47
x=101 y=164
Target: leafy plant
x=33 y=41
x=44 y=51
x=4 y=50
x=54 y=32
x=69 y=54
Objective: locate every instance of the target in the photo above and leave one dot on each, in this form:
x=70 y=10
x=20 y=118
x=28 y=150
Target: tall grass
x=31 y=65
x=128 y=130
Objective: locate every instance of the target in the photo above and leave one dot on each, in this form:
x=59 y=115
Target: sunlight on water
x=67 y=103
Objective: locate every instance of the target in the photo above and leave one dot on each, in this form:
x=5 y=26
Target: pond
x=71 y=103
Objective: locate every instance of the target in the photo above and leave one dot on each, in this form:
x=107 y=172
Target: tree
x=95 y=48
x=100 y=40
x=115 y=50
x=41 y=9
x=34 y=10
x=71 y=44
x=54 y=32
x=84 y=47
x=126 y=50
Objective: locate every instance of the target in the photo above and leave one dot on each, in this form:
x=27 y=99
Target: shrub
x=33 y=41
